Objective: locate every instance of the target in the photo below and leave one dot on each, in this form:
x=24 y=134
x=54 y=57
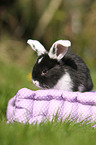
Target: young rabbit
x=58 y=69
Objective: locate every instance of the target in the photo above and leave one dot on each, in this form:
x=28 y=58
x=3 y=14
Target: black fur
x=70 y=63
x=55 y=72
x=78 y=71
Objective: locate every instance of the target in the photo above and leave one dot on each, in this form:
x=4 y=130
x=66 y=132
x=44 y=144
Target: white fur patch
x=81 y=88
x=36 y=83
x=65 y=83
x=37 y=46
x=40 y=60
x=52 y=54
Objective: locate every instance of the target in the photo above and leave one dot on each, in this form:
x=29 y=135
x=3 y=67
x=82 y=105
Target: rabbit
x=58 y=69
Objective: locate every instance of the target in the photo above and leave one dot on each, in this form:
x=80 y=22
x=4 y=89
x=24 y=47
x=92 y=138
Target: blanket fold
x=38 y=106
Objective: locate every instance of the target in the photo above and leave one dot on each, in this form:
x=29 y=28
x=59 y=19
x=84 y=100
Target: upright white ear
x=59 y=49
x=37 y=46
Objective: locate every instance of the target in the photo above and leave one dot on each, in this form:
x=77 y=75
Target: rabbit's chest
x=65 y=83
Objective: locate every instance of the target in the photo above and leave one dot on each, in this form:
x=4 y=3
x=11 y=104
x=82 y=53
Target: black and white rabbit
x=58 y=69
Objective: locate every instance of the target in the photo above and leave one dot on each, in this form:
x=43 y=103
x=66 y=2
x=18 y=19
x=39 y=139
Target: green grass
x=12 y=78
x=49 y=133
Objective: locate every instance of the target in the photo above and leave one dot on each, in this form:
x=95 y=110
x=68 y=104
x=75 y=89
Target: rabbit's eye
x=44 y=72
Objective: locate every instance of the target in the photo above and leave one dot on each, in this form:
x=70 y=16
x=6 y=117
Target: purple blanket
x=39 y=106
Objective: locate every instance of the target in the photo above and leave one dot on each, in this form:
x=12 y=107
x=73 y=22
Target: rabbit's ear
x=59 y=49
x=37 y=46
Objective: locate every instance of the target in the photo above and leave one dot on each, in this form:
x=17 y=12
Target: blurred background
x=46 y=21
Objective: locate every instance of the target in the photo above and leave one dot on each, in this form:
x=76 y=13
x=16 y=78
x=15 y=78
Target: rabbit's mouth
x=43 y=86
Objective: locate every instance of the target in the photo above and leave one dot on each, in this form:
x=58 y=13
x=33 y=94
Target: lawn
x=14 y=77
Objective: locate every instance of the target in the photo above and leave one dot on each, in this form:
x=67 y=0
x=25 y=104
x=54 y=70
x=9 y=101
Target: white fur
x=81 y=88
x=36 y=83
x=65 y=83
x=65 y=43
x=37 y=46
x=40 y=60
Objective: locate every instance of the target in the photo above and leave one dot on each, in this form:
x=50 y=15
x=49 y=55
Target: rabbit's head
x=48 y=69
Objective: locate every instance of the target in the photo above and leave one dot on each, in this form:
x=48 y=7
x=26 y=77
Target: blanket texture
x=38 y=106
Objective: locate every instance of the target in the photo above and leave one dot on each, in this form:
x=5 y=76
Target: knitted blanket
x=38 y=106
